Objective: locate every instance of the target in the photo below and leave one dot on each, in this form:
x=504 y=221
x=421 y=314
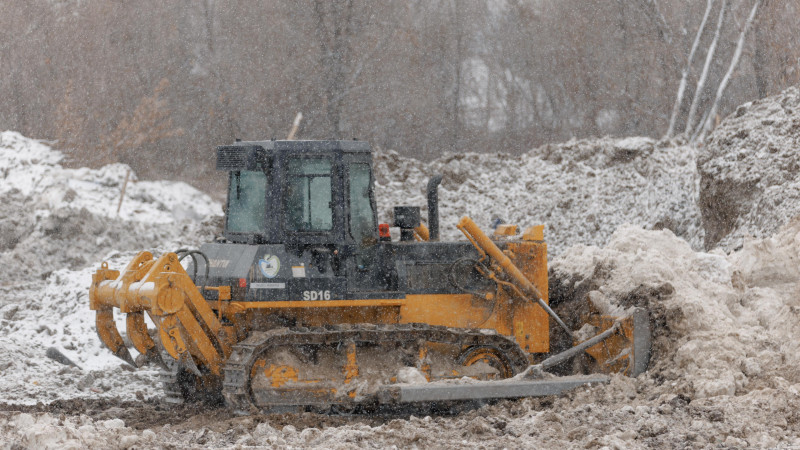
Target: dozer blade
x=108 y=333
x=627 y=349
x=484 y=390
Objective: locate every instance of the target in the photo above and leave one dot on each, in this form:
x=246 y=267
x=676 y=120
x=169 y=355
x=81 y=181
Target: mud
x=148 y=413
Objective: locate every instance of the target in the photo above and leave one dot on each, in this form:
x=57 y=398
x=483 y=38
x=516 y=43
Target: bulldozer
x=306 y=302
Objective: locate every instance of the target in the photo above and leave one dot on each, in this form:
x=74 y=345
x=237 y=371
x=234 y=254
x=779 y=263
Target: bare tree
x=685 y=75
x=706 y=66
x=421 y=76
x=734 y=62
x=334 y=30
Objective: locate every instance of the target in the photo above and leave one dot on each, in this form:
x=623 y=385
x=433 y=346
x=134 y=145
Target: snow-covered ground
x=57 y=225
x=626 y=221
x=581 y=190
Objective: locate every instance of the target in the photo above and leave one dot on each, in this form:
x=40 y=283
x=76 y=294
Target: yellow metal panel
x=366 y=314
x=263 y=318
x=452 y=310
x=532 y=327
x=531 y=259
x=319 y=304
x=505 y=229
x=531 y=322
x=535 y=233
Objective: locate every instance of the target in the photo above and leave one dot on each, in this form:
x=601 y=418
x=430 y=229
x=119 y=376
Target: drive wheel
x=488 y=357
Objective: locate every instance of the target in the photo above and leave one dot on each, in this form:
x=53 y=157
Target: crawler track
x=236 y=385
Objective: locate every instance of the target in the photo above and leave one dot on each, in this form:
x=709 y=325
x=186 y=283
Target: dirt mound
x=748 y=171
x=720 y=327
x=581 y=190
x=53 y=218
x=56 y=225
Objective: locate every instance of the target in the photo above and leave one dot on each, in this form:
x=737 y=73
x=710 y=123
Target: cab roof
x=245 y=155
x=310 y=146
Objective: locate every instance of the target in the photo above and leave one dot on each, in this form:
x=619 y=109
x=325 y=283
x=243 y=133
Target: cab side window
x=362 y=217
x=247 y=201
x=308 y=199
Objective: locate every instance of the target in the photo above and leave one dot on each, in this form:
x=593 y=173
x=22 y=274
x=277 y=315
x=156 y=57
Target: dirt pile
x=749 y=171
x=723 y=323
x=56 y=225
x=581 y=190
x=724 y=328
x=53 y=218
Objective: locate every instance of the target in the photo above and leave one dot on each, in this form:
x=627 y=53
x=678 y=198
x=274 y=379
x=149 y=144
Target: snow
x=623 y=225
x=581 y=190
x=720 y=330
x=748 y=171
x=31 y=168
x=57 y=225
x=60 y=318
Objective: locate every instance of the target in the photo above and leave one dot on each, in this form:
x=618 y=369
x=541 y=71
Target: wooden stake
x=295 y=126
x=122 y=194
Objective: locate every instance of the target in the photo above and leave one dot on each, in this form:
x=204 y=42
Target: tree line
x=158 y=84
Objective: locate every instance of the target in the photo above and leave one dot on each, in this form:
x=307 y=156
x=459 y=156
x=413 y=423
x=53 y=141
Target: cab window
x=308 y=199
x=362 y=217
x=247 y=202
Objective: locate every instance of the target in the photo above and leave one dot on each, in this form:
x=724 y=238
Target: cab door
x=368 y=267
x=313 y=223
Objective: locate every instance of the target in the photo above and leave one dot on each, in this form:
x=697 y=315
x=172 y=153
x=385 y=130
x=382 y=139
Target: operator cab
x=299 y=193
x=313 y=198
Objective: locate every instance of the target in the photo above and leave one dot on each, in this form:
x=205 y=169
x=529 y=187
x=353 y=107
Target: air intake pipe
x=433 y=206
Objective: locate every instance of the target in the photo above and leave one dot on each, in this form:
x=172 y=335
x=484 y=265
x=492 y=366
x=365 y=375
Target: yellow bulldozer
x=306 y=302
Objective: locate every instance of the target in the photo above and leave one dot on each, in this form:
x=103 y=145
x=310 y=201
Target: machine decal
x=218 y=263
x=268 y=285
x=316 y=295
x=269 y=266
x=299 y=271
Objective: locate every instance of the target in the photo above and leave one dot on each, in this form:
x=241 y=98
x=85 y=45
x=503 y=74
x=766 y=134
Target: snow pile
x=727 y=319
x=30 y=170
x=749 y=171
x=726 y=326
x=53 y=218
x=58 y=315
x=582 y=190
x=53 y=223
x=48 y=431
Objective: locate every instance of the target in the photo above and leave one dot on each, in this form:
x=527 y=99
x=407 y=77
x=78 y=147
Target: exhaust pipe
x=433 y=206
